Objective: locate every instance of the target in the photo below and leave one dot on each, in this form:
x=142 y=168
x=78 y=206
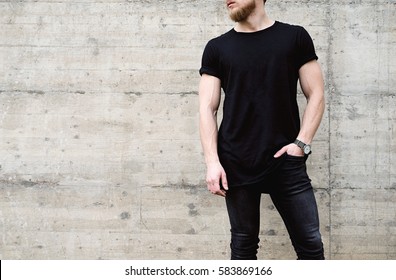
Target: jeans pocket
x=295 y=162
x=292 y=176
x=296 y=158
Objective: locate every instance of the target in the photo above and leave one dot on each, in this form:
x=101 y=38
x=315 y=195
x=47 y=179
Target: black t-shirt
x=259 y=74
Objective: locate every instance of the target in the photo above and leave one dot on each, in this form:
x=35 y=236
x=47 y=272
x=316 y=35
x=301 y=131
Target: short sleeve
x=210 y=61
x=306 y=49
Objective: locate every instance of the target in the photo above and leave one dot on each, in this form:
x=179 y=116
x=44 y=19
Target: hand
x=216 y=179
x=291 y=149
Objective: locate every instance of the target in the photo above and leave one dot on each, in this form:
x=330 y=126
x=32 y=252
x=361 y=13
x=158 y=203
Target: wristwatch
x=305 y=147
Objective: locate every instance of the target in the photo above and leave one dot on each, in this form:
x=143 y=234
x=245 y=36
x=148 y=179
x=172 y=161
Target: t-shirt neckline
x=256 y=32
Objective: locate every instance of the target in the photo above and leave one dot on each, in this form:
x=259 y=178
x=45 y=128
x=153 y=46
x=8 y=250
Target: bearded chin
x=241 y=14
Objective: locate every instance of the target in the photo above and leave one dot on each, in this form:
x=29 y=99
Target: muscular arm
x=311 y=81
x=209 y=100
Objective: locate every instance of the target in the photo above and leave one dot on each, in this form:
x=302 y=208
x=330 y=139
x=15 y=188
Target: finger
x=220 y=193
x=280 y=152
x=214 y=188
x=224 y=181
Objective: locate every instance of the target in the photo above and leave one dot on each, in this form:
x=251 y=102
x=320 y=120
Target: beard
x=242 y=13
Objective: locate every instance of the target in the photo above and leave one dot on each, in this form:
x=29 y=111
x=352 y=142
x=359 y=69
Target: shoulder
x=221 y=39
x=295 y=32
x=292 y=28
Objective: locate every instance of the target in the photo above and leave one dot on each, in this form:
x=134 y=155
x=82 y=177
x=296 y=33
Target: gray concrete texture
x=100 y=155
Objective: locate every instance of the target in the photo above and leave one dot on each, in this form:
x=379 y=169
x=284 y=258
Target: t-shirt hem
x=303 y=62
x=208 y=72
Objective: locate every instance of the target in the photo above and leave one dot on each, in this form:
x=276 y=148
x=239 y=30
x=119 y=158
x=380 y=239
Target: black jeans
x=291 y=192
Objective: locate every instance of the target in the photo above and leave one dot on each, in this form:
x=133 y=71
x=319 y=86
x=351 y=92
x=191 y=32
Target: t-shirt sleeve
x=306 y=49
x=210 y=61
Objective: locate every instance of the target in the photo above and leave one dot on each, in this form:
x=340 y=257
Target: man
x=261 y=147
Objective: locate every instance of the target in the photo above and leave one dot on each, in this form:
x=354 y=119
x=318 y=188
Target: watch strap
x=300 y=144
x=306 y=148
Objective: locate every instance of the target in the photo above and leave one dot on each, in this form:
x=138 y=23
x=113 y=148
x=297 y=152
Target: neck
x=257 y=20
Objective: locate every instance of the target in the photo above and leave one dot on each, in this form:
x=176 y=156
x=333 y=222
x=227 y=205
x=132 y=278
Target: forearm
x=209 y=133
x=312 y=117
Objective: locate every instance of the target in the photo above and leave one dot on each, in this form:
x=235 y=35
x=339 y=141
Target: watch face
x=307 y=149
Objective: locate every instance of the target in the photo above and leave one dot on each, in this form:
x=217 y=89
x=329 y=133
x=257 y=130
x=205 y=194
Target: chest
x=258 y=53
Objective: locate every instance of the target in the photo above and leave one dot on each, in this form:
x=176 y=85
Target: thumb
x=224 y=181
x=280 y=152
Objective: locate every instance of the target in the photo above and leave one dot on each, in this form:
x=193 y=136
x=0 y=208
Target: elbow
x=317 y=100
x=316 y=97
x=322 y=101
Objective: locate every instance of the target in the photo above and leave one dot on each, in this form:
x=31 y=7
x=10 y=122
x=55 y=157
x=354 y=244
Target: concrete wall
x=99 y=147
